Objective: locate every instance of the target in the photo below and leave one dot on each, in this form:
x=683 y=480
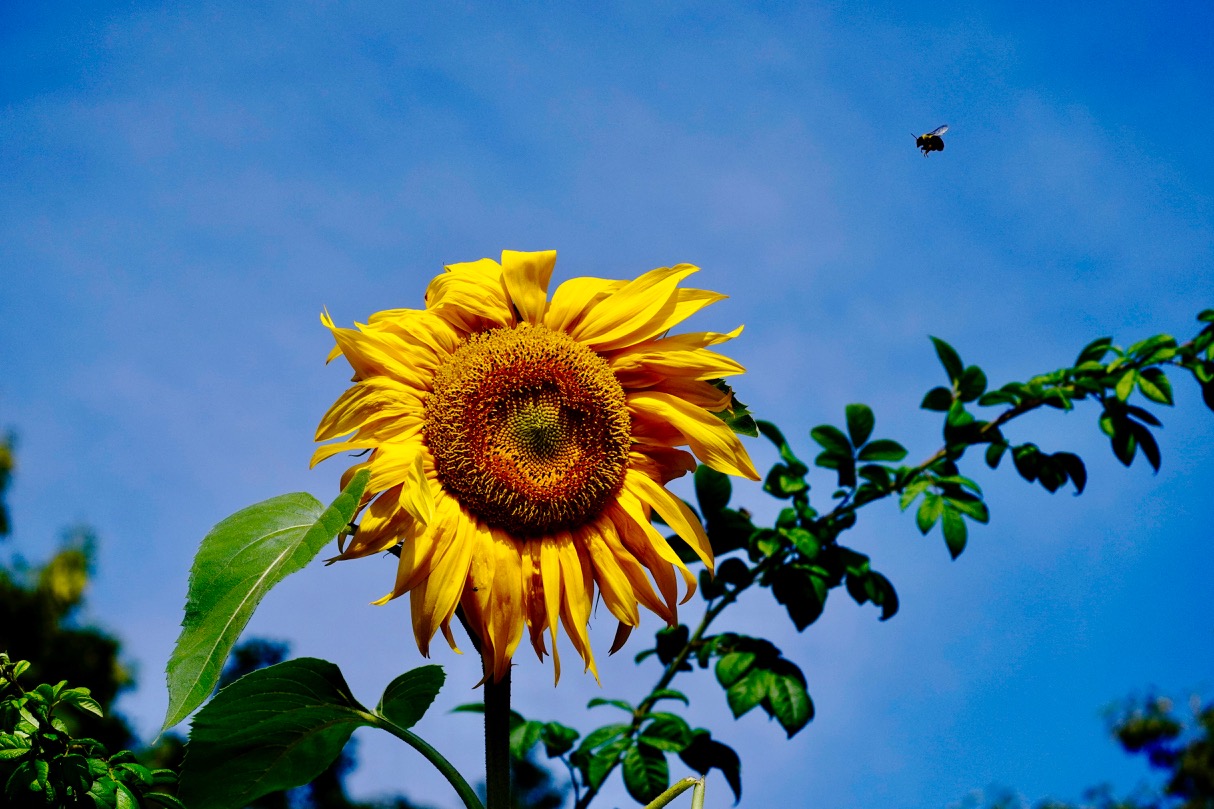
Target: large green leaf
x=273 y=729
x=236 y=565
x=409 y=696
x=646 y=774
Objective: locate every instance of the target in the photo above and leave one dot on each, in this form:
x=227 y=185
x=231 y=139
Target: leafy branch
x=801 y=559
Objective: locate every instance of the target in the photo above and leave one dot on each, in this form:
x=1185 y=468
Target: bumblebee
x=931 y=142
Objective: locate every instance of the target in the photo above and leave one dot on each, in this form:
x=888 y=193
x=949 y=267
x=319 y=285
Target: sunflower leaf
x=273 y=729
x=409 y=696
x=238 y=562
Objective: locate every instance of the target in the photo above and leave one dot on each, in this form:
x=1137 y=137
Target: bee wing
x=940 y=130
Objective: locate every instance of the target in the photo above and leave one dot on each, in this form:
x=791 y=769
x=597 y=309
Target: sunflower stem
x=497 y=741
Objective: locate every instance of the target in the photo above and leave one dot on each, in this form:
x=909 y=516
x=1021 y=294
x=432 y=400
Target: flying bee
x=931 y=142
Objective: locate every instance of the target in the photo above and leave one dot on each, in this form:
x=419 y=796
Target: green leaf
x=1155 y=386
x=748 y=692
x=669 y=693
x=601 y=762
x=704 y=754
x=949 y=359
x=409 y=696
x=882 y=449
x=1026 y=458
x=805 y=542
x=801 y=592
x=646 y=774
x=1075 y=470
x=618 y=703
x=972 y=384
x=954 y=532
x=601 y=736
x=940 y=399
x=668 y=732
x=126 y=798
x=772 y=433
x=13 y=746
x=737 y=415
x=79 y=697
x=994 y=454
x=970 y=506
x=1094 y=351
x=929 y=511
x=523 y=738
x=860 y=423
x=273 y=729
x=789 y=701
x=832 y=439
x=1206 y=316
x=712 y=490
x=236 y=565
x=733 y=666
x=1146 y=441
x=1125 y=385
x=558 y=739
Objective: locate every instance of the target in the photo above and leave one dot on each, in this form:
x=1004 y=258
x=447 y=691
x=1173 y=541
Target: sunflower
x=518 y=444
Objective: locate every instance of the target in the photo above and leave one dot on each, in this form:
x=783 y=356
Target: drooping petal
x=577 y=590
x=526 y=276
x=675 y=512
x=550 y=574
x=435 y=597
x=711 y=439
x=370 y=400
x=419 y=554
x=637 y=520
x=613 y=583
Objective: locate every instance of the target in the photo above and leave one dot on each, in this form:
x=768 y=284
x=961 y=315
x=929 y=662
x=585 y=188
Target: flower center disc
x=529 y=429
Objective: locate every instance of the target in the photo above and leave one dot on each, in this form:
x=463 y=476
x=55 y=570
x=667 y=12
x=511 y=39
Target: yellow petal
x=416 y=496
x=684 y=304
x=629 y=566
x=572 y=299
x=471 y=296
x=641 y=368
x=526 y=276
x=577 y=588
x=612 y=581
x=615 y=320
x=435 y=597
x=674 y=511
x=636 y=518
x=534 y=612
x=372 y=399
x=419 y=554
x=505 y=602
x=550 y=574
x=709 y=438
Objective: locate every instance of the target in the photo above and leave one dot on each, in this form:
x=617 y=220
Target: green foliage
x=737 y=415
x=281 y=726
x=39 y=609
x=801 y=557
x=409 y=696
x=43 y=765
x=273 y=729
x=238 y=562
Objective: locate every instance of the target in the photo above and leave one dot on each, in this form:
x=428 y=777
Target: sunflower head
x=519 y=444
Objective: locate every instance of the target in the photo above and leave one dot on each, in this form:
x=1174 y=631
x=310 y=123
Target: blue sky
x=184 y=187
